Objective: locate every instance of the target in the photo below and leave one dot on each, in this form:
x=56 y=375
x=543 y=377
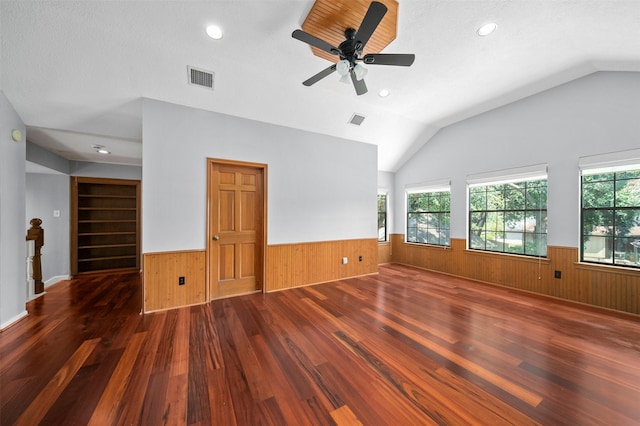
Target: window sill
x=522 y=258
x=607 y=268
x=430 y=246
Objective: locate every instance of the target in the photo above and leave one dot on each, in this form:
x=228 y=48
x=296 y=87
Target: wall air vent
x=356 y=119
x=201 y=78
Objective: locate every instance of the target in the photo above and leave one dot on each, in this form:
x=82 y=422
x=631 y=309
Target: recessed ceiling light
x=383 y=93
x=214 y=31
x=487 y=29
x=100 y=149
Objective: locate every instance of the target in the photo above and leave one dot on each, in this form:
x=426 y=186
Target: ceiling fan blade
x=322 y=74
x=315 y=42
x=361 y=87
x=400 y=59
x=370 y=22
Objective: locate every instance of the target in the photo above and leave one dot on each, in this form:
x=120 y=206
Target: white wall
x=320 y=188
x=13 y=290
x=386 y=184
x=104 y=170
x=40 y=156
x=44 y=194
x=595 y=114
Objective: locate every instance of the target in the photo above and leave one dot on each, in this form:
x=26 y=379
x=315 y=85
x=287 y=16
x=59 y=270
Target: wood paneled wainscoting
x=161 y=279
x=287 y=266
x=384 y=252
x=295 y=265
x=606 y=287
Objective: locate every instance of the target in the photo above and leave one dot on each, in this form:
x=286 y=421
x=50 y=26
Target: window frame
x=614 y=210
x=534 y=173
x=442 y=186
x=386 y=217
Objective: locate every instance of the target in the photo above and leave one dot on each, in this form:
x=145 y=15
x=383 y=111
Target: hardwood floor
x=404 y=347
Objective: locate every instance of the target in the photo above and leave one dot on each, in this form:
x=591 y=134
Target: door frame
x=263 y=257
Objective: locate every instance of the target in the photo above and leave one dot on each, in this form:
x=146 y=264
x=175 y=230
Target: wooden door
x=236 y=237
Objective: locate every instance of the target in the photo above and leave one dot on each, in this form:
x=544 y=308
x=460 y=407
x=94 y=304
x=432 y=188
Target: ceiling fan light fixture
x=342 y=67
x=487 y=29
x=345 y=79
x=360 y=71
x=214 y=31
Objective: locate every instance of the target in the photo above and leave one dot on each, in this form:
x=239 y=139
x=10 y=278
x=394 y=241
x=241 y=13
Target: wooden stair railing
x=36 y=233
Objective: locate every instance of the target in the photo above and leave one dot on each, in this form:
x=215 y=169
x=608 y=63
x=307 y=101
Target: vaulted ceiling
x=76 y=71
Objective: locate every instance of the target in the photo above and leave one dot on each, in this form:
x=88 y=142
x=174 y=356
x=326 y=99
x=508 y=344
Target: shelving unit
x=105 y=224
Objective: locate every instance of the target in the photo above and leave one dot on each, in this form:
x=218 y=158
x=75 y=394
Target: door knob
x=216 y=238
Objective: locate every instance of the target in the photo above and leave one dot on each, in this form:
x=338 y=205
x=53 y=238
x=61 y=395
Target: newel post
x=36 y=233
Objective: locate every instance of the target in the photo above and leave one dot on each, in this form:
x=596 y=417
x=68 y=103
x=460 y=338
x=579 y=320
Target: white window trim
x=519 y=174
x=610 y=162
x=442 y=185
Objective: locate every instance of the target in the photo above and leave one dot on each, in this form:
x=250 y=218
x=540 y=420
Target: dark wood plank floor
x=404 y=347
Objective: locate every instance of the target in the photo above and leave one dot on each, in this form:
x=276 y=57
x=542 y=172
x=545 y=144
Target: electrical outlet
x=557 y=274
x=359 y=258
x=180 y=280
x=345 y=260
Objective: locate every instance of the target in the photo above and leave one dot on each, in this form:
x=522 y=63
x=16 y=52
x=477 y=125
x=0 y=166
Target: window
x=382 y=217
x=610 y=216
x=509 y=215
x=429 y=216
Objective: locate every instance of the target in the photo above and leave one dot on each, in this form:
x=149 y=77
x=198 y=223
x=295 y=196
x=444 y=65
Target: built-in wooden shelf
x=105 y=196
x=105 y=233
x=106 y=245
x=105 y=224
x=105 y=208
x=93 y=259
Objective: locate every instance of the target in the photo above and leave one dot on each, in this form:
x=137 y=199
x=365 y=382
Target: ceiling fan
x=350 y=51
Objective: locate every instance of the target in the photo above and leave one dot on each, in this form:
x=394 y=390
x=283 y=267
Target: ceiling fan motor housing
x=350 y=49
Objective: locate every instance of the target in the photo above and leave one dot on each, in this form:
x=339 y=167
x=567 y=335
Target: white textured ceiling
x=76 y=71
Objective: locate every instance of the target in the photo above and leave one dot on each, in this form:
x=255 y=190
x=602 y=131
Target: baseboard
x=13 y=320
x=56 y=279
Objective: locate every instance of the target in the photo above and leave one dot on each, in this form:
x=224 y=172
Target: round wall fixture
x=16 y=135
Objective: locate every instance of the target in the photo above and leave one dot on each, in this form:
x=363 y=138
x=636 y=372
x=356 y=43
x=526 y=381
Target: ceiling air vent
x=356 y=119
x=201 y=78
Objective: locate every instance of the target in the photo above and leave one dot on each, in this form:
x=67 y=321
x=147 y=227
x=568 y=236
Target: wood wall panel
x=607 y=287
x=295 y=265
x=384 y=253
x=160 y=279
